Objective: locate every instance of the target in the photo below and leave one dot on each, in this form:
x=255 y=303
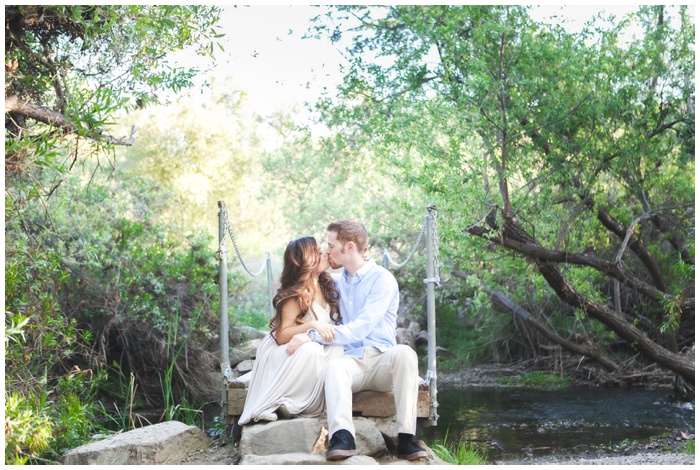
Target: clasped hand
x=325 y=330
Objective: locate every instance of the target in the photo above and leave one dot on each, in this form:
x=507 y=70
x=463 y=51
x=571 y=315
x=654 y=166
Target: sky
x=265 y=53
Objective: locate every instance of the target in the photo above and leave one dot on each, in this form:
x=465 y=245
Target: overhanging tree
x=70 y=68
x=69 y=305
x=572 y=152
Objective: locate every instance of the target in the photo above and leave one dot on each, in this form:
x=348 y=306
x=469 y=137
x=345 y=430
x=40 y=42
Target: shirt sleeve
x=381 y=295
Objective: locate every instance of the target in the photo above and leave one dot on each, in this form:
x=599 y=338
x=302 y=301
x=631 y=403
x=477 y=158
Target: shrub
x=93 y=279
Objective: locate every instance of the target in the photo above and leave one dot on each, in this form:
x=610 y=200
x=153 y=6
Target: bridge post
x=385 y=259
x=430 y=286
x=270 y=294
x=223 y=309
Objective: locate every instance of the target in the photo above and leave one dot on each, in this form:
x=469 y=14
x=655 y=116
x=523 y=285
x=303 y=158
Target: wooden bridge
x=365 y=403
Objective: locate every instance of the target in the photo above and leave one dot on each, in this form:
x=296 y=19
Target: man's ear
x=351 y=246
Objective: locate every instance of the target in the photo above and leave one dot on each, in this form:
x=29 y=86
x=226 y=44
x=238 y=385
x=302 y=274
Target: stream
x=512 y=423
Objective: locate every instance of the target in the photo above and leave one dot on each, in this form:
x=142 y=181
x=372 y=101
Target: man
x=369 y=301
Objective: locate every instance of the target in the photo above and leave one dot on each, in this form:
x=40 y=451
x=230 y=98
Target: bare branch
x=14 y=104
x=630 y=232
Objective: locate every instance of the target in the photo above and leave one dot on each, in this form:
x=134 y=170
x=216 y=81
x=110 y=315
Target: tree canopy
x=70 y=68
x=563 y=160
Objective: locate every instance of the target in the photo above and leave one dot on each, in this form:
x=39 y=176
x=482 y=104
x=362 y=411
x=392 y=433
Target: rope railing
x=222 y=245
x=386 y=260
x=224 y=230
x=432 y=280
x=428 y=231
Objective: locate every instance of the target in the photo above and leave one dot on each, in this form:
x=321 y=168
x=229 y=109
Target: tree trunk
x=504 y=301
x=512 y=236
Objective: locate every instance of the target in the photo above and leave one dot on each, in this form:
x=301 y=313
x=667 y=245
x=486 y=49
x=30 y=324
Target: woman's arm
x=290 y=326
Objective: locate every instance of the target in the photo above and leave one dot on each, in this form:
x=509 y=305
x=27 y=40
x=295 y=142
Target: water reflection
x=513 y=422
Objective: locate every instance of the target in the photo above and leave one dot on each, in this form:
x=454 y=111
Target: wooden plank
x=236 y=400
x=366 y=403
x=381 y=404
x=423 y=403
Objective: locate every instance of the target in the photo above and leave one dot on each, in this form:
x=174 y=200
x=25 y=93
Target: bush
x=28 y=431
x=92 y=279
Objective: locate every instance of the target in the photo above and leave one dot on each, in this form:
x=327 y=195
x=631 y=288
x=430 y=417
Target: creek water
x=512 y=423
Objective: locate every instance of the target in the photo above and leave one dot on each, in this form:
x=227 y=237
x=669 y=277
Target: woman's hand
x=326 y=330
x=296 y=341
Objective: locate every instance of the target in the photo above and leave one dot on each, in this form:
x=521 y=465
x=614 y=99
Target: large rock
x=368 y=439
x=243 y=352
x=297 y=435
x=308 y=436
x=244 y=367
x=241 y=333
x=158 y=444
x=387 y=427
x=404 y=336
x=304 y=459
x=415 y=328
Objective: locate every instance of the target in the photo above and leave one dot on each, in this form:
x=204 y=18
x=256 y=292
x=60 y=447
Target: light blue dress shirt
x=369 y=302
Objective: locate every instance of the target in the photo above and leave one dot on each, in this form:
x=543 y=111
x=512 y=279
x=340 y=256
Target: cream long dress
x=294 y=381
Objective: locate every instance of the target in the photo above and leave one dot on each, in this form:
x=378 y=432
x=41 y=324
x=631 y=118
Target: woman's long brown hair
x=301 y=259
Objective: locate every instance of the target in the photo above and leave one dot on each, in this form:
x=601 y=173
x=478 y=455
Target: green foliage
x=181 y=411
x=82 y=64
x=576 y=136
x=473 y=334
x=537 y=379
x=252 y=313
x=73 y=413
x=690 y=447
x=120 y=416
x=40 y=427
x=205 y=148
x=27 y=430
x=90 y=268
x=458 y=453
x=320 y=180
x=96 y=264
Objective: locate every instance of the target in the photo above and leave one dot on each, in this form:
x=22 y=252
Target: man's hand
x=296 y=342
x=326 y=330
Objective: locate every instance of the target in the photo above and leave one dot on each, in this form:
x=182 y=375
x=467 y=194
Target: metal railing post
x=223 y=309
x=430 y=286
x=269 y=284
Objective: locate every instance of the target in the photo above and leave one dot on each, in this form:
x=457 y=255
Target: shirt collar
x=360 y=273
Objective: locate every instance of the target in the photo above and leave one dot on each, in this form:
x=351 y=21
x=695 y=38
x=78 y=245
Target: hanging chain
x=222 y=245
x=436 y=258
x=413 y=251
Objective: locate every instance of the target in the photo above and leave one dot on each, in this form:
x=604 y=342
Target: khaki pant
x=396 y=369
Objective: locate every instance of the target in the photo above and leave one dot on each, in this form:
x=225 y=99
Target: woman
x=285 y=381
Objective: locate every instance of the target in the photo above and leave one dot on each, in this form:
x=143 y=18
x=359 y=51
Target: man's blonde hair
x=351 y=231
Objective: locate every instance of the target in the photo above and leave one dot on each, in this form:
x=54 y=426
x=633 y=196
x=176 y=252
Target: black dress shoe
x=409 y=450
x=341 y=446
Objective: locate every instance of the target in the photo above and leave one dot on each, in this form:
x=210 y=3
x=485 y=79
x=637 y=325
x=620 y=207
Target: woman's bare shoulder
x=291 y=307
